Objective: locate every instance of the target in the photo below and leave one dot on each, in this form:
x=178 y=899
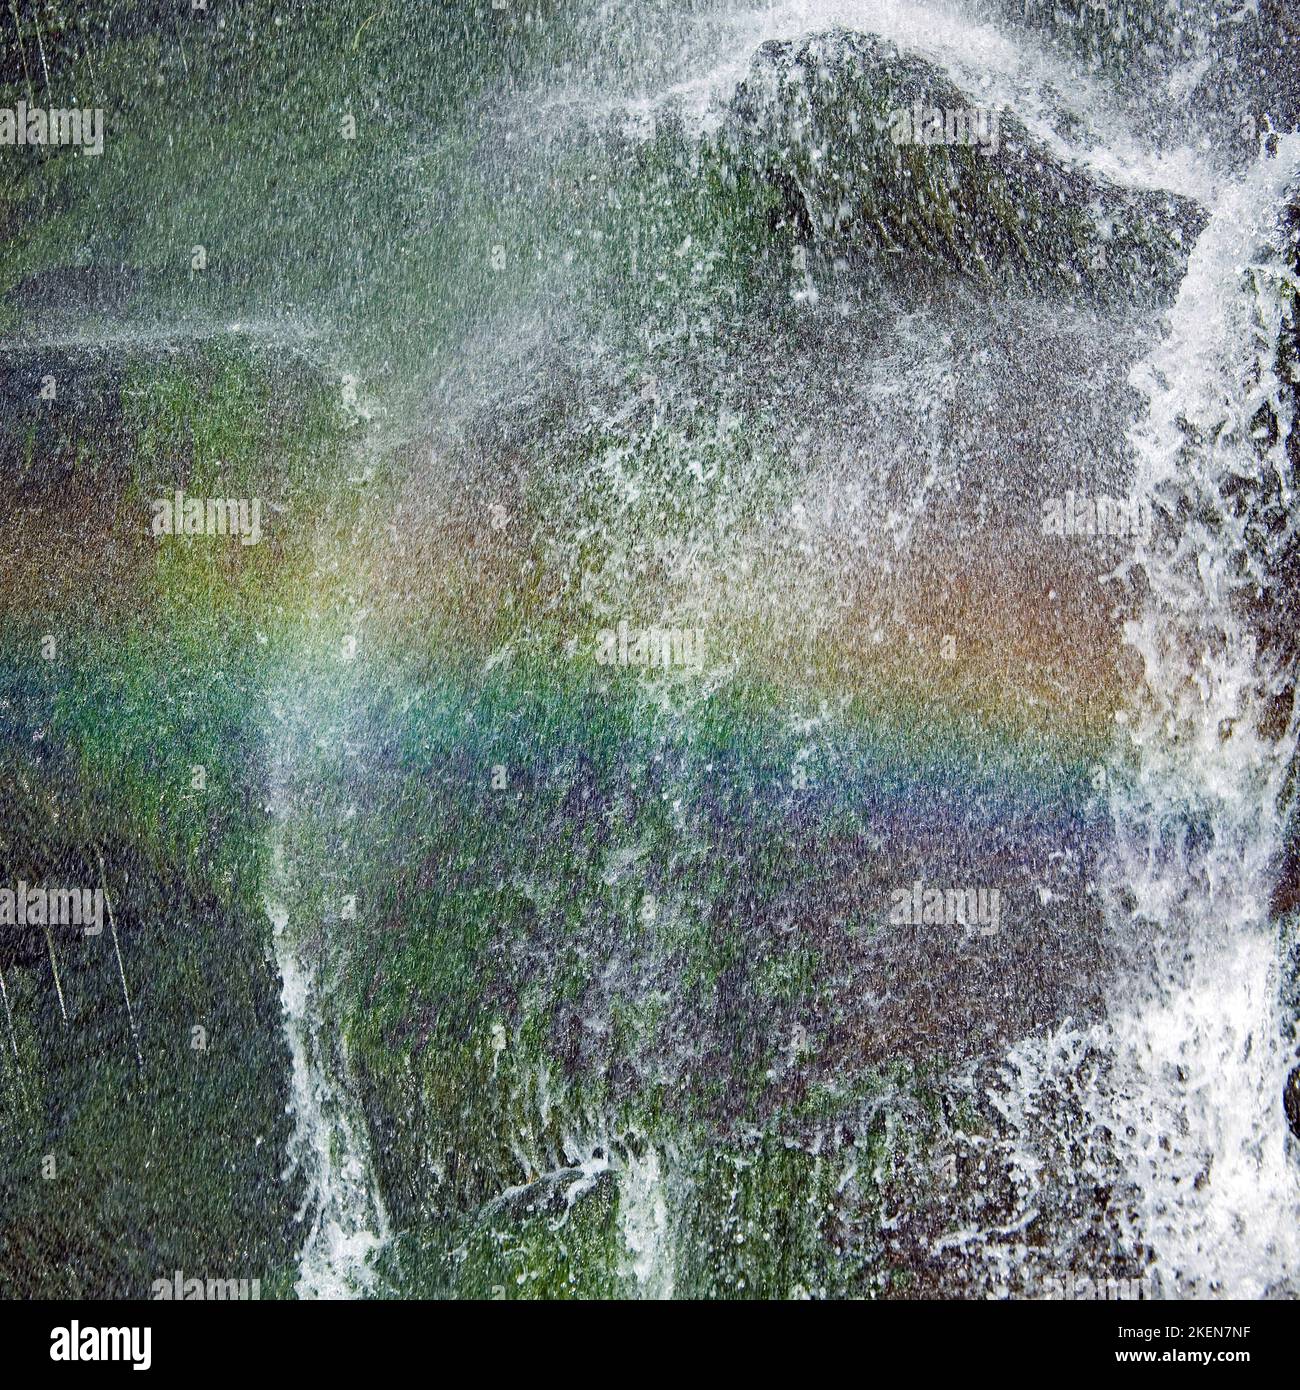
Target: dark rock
x=820 y=117
x=1249 y=55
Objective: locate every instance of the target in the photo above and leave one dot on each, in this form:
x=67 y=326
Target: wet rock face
x=882 y=156
x=1291 y=1101
x=1252 y=81
x=1244 y=59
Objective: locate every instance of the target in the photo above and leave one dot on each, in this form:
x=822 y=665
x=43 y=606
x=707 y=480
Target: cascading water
x=1203 y=1046
x=1176 y=1093
x=644 y=1216
x=346 y=1227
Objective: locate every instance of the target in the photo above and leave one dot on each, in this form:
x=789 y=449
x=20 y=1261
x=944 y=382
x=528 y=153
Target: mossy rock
x=817 y=116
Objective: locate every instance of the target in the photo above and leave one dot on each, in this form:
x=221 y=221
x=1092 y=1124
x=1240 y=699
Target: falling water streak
x=1200 y=1050
x=22 y=49
x=121 y=967
x=13 y=1037
x=54 y=970
x=348 y=1223
x=649 y=1266
x=40 y=44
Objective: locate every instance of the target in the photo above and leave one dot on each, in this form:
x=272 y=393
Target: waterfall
x=1201 y=1046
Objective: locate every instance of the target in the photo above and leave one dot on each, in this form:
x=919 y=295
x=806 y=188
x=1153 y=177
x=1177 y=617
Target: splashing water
x=618 y=359
x=1177 y=1094
x=1181 y=1084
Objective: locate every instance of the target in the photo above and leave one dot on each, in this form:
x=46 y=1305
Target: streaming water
x=1202 y=1044
x=695 y=60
